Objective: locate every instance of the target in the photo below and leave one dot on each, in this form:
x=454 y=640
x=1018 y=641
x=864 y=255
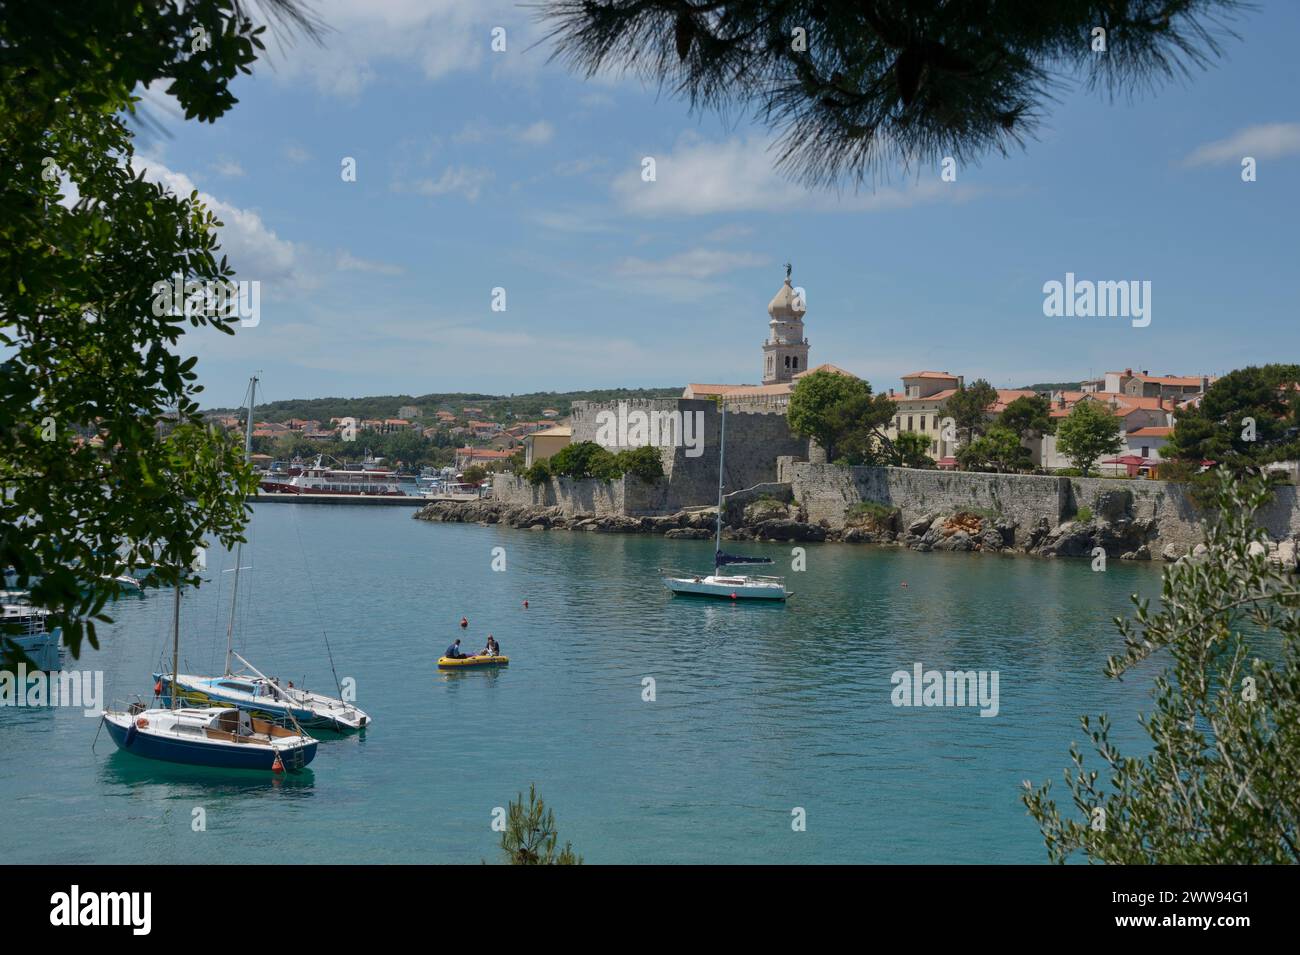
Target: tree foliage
x=1248 y=418
x=842 y=415
x=1221 y=782
x=530 y=837
x=999 y=450
x=910 y=450
x=1029 y=416
x=969 y=408
x=1089 y=431
x=856 y=88
x=104 y=459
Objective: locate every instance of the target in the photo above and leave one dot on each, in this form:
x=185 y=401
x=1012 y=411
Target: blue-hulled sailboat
x=216 y=736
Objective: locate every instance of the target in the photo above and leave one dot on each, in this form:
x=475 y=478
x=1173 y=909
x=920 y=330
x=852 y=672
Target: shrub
x=586 y=459
x=646 y=463
x=1084 y=514
x=538 y=473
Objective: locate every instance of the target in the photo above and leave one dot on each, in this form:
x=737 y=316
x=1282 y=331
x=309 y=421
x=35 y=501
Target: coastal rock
x=1042 y=530
x=1170 y=553
x=784 y=529
x=859 y=535
x=1199 y=552
x=1071 y=539
x=919 y=526
x=957 y=541
x=992 y=538
x=764 y=510
x=689 y=533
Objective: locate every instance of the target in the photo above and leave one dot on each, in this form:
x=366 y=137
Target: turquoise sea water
x=758 y=709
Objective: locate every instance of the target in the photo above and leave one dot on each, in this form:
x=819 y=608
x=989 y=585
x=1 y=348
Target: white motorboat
x=25 y=632
x=722 y=585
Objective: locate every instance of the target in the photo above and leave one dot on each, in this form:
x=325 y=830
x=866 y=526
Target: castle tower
x=785 y=353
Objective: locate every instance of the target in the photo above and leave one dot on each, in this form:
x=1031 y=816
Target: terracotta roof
x=930 y=374
x=937 y=396
x=1151 y=432
x=1008 y=395
x=562 y=431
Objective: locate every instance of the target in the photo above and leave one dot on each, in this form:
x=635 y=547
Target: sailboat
x=206 y=736
x=250 y=690
x=728 y=586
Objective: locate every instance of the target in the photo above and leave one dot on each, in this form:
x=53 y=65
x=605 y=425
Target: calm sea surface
x=758 y=709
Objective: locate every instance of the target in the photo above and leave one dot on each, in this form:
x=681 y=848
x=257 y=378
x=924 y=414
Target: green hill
x=501 y=408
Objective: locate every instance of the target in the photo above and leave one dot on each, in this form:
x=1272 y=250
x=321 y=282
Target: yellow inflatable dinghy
x=477 y=661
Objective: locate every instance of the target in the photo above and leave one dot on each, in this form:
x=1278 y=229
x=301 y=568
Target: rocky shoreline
x=960 y=531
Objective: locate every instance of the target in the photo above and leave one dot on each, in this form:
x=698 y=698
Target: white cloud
x=436 y=37
x=229 y=168
x=538 y=133
x=347 y=262
x=700 y=177
x=1265 y=141
x=296 y=154
x=466 y=181
x=254 y=250
x=534 y=134
x=695 y=264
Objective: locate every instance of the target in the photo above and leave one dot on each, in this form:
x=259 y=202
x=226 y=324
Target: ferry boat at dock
x=318 y=479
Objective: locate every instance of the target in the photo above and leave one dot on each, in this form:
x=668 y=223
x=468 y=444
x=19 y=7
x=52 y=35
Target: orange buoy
x=733 y=595
x=157 y=688
x=277 y=766
x=142 y=722
x=463 y=623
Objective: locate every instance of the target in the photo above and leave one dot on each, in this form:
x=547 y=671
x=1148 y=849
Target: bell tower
x=785 y=353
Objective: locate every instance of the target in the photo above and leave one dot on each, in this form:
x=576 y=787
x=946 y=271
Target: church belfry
x=785 y=353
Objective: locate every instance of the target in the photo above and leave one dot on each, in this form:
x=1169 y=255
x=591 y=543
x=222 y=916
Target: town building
x=541 y=445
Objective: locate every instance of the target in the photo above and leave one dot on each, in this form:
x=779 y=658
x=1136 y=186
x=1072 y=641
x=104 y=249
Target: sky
x=478 y=170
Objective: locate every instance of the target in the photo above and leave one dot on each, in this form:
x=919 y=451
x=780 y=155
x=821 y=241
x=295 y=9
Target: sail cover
x=721 y=560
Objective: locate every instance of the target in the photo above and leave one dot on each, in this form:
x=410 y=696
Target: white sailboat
x=722 y=585
x=250 y=689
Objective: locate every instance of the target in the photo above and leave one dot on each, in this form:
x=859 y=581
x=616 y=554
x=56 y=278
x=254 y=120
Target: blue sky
x=478 y=170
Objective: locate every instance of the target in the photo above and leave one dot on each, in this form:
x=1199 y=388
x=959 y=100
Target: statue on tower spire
x=787 y=271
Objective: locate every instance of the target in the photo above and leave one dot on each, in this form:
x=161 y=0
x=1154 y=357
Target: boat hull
x=172 y=749
x=265 y=709
x=452 y=663
x=690 y=587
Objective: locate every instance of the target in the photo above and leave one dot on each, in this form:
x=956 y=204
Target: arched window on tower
x=796 y=362
x=787 y=361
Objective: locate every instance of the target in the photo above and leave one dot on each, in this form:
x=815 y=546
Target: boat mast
x=176 y=636
x=239 y=548
x=722 y=452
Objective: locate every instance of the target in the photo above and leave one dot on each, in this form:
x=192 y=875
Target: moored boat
x=210 y=736
x=727 y=587
x=266 y=698
x=25 y=632
x=480 y=660
x=318 y=479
